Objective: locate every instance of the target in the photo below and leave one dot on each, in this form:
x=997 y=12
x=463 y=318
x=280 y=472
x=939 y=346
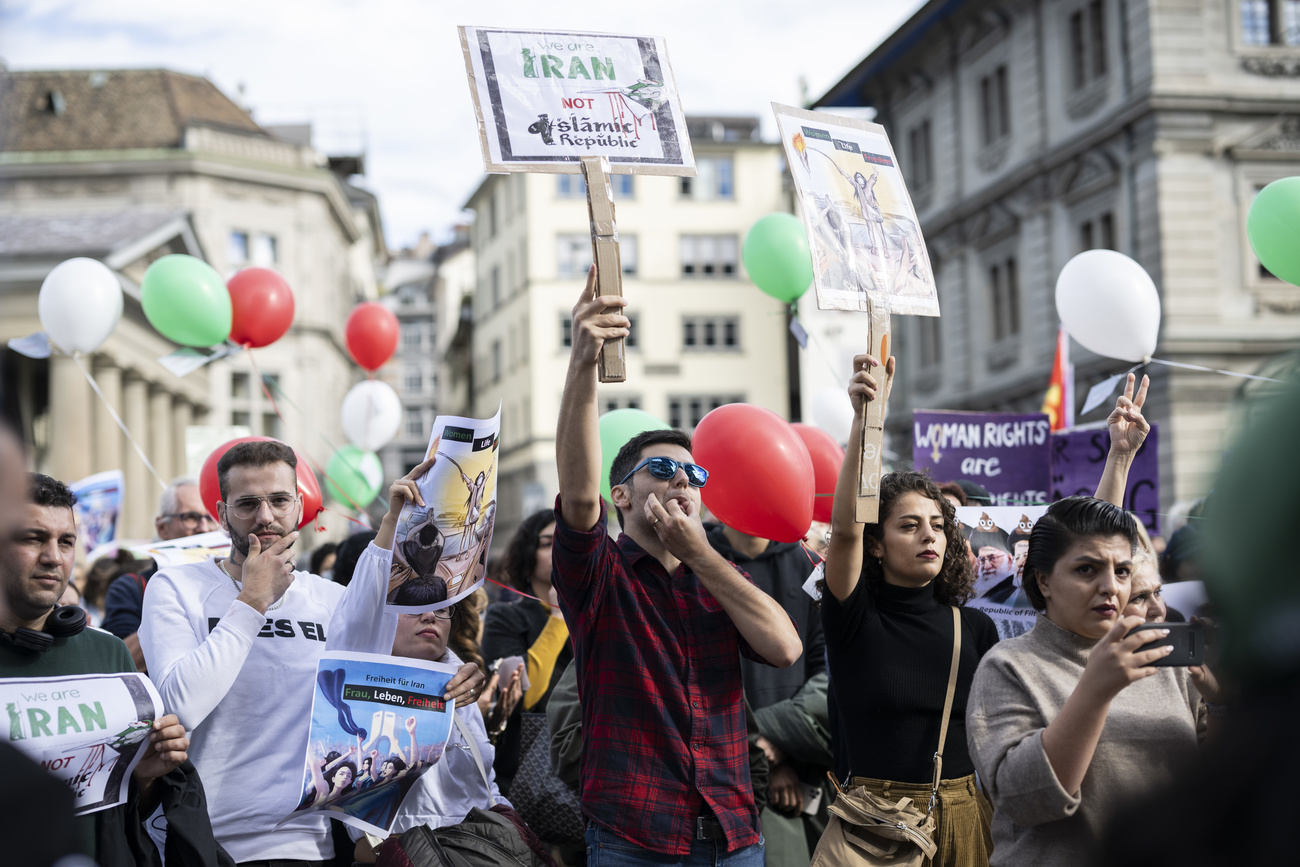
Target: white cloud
x=389 y=76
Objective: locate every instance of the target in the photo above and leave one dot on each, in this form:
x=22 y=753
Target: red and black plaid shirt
x=663 y=715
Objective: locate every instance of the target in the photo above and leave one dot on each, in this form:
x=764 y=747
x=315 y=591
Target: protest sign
x=90 y=731
x=865 y=238
x=999 y=538
x=1079 y=457
x=378 y=723
x=440 y=549
x=188 y=549
x=547 y=98
x=99 y=504
x=1007 y=453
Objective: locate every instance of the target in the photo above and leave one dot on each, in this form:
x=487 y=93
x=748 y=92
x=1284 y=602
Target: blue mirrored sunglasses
x=666 y=468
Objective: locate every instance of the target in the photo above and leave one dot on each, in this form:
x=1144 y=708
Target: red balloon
x=262 y=307
x=371 y=335
x=826 y=457
x=760 y=475
x=210 y=490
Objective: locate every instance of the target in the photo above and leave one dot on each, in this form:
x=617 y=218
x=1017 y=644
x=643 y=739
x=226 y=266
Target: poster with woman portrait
x=440 y=549
x=862 y=228
x=378 y=723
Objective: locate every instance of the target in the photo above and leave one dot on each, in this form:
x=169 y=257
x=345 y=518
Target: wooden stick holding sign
x=873 y=419
x=604 y=252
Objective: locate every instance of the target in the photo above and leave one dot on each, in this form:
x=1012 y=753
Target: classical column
x=71 y=399
x=161 y=451
x=141 y=489
x=182 y=417
x=107 y=436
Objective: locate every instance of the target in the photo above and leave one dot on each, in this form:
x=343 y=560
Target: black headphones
x=64 y=621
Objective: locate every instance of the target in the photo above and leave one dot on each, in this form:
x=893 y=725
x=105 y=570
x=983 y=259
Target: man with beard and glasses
x=233 y=646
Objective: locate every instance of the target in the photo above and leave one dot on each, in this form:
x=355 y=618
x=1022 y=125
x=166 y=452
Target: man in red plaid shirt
x=659 y=620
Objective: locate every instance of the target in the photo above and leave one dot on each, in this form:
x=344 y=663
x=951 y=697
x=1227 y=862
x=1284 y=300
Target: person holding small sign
x=659 y=621
x=889 y=623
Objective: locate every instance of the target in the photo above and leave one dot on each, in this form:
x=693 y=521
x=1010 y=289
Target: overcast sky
x=388 y=76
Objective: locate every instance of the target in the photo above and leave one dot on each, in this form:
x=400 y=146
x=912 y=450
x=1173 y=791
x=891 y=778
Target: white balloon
x=1107 y=302
x=80 y=304
x=832 y=411
x=372 y=413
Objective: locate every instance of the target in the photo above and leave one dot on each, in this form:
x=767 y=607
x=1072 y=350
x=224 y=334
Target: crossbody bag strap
x=947 y=707
x=472 y=745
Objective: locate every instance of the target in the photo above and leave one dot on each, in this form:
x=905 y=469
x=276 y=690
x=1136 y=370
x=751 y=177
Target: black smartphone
x=1188 y=640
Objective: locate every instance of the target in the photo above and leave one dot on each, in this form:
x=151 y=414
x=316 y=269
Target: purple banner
x=1078 y=458
x=1007 y=453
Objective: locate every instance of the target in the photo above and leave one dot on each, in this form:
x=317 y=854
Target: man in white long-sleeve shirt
x=232 y=645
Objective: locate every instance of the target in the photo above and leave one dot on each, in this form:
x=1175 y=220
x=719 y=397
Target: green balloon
x=1273 y=226
x=777 y=258
x=186 y=300
x=616 y=428
x=354 y=476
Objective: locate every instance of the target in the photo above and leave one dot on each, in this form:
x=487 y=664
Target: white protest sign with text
x=547 y=98
x=89 y=731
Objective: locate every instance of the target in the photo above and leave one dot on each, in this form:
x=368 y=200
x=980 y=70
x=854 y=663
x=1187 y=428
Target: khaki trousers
x=963 y=817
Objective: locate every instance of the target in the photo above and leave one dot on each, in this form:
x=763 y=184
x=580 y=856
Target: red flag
x=1058 y=403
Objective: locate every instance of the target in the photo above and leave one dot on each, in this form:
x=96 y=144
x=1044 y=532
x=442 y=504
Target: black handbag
x=546 y=804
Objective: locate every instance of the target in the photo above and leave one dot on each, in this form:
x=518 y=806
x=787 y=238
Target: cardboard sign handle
x=612 y=364
x=879 y=343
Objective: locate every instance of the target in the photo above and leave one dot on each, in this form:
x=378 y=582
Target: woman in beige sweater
x=1070 y=719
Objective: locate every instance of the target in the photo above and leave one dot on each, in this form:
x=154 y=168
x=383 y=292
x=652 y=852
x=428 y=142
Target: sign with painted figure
x=378 y=723
x=89 y=731
x=440 y=549
x=865 y=238
x=98 y=508
x=1079 y=457
x=547 y=98
x=1007 y=453
x=999 y=539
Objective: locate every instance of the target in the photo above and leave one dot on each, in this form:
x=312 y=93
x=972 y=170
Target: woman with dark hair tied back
x=888 y=620
x=1071 y=719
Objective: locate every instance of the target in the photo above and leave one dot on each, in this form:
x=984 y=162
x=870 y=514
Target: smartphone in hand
x=1187 y=639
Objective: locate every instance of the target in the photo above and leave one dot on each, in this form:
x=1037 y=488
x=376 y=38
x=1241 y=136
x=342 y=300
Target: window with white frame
x=714 y=179
x=1087 y=26
x=414 y=422
x=414 y=381
x=610 y=403
x=686 y=411
x=573 y=255
x=570 y=187
x=627 y=253
x=1270 y=22
x=265 y=250
x=412 y=335
x=709 y=256
x=711 y=333
x=237 y=248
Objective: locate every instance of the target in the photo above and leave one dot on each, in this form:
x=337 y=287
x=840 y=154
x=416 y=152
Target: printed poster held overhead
x=547 y=98
x=999 y=539
x=99 y=505
x=862 y=228
x=378 y=723
x=440 y=549
x=89 y=731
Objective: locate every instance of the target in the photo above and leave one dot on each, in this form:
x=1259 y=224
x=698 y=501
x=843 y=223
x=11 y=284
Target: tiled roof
x=110 y=109
x=95 y=235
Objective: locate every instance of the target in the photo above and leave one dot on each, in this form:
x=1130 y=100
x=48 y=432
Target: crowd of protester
x=691 y=703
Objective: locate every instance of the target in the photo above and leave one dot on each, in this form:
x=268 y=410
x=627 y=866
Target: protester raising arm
x=1128 y=430
x=577 y=435
x=844 y=557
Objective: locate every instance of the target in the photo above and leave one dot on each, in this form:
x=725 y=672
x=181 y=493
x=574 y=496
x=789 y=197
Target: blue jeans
x=607 y=849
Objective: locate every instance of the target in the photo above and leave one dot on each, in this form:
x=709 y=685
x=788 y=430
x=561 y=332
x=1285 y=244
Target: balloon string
x=1216 y=370
x=347 y=517
x=519 y=592
x=315 y=466
x=76 y=357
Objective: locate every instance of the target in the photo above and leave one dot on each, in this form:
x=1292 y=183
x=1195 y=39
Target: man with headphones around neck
x=39 y=638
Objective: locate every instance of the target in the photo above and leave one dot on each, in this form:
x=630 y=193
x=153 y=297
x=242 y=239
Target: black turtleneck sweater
x=890 y=649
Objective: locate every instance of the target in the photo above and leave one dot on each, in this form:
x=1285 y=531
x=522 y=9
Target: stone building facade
x=1030 y=131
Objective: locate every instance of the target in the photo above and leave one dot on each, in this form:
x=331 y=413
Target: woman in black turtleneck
x=889 y=634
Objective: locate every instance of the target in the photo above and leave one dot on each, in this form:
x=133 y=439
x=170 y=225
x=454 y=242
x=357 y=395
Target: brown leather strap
x=947 y=706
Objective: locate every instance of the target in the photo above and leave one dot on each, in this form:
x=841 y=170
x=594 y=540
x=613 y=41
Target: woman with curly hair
x=889 y=638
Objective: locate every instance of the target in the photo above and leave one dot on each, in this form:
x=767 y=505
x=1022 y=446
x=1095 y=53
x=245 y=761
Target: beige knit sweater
x=1021 y=684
